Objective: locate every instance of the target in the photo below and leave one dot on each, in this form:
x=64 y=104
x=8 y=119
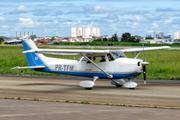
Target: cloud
x=155 y=25
x=27 y=1
x=134 y=16
x=170 y=14
x=5 y=27
x=150 y=31
x=133 y=12
x=28 y=23
x=137 y=0
x=21 y=9
x=29 y=20
x=90 y=9
x=164 y=10
x=112 y=16
x=176 y=26
x=167 y=22
x=41 y=12
x=2 y=19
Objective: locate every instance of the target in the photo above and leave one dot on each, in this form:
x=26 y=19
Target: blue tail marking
x=32 y=58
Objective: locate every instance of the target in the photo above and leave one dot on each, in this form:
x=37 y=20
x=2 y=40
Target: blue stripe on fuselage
x=91 y=74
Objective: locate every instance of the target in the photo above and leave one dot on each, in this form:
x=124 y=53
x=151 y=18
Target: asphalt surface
x=160 y=94
x=103 y=92
x=38 y=110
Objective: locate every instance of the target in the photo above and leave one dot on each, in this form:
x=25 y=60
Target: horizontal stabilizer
x=28 y=67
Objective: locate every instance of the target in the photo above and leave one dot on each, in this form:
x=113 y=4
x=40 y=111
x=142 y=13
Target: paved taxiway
x=152 y=94
x=39 y=110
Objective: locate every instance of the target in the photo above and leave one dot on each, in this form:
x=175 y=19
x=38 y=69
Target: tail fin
x=33 y=59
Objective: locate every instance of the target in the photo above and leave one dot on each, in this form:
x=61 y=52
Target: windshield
x=117 y=54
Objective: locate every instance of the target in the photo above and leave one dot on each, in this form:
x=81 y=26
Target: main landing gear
x=88 y=85
x=120 y=82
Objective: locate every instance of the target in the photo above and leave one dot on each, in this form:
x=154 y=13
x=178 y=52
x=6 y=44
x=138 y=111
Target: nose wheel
x=131 y=85
x=88 y=88
x=118 y=85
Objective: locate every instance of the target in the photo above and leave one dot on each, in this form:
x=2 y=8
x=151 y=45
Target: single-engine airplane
x=115 y=66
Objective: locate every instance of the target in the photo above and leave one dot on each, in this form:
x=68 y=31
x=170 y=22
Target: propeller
x=144 y=63
x=144 y=74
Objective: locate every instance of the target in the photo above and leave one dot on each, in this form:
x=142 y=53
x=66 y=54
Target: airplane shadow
x=65 y=88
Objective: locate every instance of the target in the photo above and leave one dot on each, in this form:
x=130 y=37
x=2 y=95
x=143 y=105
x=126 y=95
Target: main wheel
x=118 y=85
x=88 y=88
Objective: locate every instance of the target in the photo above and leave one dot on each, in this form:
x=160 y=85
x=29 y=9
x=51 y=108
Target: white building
x=85 y=32
x=161 y=35
x=177 y=35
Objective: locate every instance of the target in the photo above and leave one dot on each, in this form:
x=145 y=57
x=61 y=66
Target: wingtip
x=14 y=68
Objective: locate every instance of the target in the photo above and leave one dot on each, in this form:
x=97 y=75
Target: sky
x=44 y=17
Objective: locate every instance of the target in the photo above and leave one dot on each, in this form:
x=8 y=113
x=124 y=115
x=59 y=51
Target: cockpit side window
x=84 y=60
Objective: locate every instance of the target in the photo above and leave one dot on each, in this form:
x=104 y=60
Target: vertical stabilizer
x=33 y=59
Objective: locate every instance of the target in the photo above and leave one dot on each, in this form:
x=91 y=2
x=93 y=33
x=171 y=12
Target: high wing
x=145 y=49
x=69 y=52
x=89 y=52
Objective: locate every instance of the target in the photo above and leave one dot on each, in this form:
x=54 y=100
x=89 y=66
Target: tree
x=33 y=36
x=105 y=39
x=114 y=38
x=52 y=38
x=149 y=38
x=1 y=39
x=126 y=37
x=134 y=39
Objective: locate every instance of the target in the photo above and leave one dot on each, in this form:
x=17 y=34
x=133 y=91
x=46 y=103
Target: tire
x=118 y=85
x=88 y=88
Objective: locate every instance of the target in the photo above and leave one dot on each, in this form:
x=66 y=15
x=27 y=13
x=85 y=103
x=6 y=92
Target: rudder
x=33 y=59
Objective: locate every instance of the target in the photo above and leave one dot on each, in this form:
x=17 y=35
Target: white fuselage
x=119 y=68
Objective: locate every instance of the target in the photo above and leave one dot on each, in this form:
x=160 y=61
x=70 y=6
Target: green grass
x=85 y=102
x=104 y=43
x=164 y=64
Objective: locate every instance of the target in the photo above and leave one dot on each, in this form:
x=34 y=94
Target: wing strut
x=109 y=76
x=137 y=54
